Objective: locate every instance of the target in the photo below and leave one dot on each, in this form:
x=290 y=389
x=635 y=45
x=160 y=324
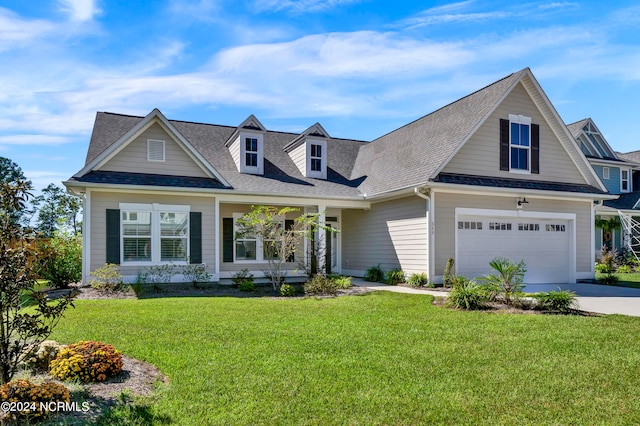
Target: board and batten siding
x=445 y=226
x=392 y=234
x=101 y=201
x=481 y=153
x=133 y=158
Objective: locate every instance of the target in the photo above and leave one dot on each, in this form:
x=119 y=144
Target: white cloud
x=558 y=5
x=33 y=140
x=300 y=6
x=17 y=32
x=79 y=10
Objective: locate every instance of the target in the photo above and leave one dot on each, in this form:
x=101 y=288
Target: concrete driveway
x=602 y=299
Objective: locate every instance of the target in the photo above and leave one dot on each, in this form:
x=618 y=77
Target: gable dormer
x=591 y=141
x=309 y=152
x=246 y=145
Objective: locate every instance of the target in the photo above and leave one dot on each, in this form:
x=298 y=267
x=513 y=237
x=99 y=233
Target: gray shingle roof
x=412 y=154
x=624 y=202
x=146 y=179
x=280 y=173
x=515 y=183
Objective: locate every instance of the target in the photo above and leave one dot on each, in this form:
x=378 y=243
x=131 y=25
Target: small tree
x=280 y=242
x=60 y=259
x=21 y=331
x=509 y=277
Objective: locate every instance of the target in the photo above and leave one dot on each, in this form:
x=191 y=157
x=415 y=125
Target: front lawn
x=627 y=280
x=380 y=358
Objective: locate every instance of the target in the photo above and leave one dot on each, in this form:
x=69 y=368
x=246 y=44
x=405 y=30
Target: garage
x=543 y=240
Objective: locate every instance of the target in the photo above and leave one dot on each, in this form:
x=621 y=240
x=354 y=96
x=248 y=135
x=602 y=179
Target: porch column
x=322 y=241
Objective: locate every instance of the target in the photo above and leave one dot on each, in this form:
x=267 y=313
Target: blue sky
x=359 y=67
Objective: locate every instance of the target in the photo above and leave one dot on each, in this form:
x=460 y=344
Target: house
x=619 y=173
x=496 y=173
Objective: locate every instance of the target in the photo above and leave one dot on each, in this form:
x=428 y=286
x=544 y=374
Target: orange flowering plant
x=87 y=361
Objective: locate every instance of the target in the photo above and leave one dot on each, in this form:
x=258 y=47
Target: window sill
x=520 y=172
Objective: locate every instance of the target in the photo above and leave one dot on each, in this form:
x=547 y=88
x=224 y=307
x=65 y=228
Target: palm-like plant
x=508 y=278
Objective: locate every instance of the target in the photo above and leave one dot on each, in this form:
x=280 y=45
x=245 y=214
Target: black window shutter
x=227 y=239
x=504 y=144
x=195 y=237
x=288 y=224
x=535 y=148
x=113 y=236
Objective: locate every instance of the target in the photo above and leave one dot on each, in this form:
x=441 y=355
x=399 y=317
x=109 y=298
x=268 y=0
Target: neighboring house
x=616 y=172
x=496 y=173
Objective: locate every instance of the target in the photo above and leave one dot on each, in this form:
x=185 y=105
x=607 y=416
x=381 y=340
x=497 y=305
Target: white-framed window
x=155 y=150
x=466 y=224
x=519 y=143
x=154 y=233
x=624 y=180
x=250 y=248
x=528 y=227
x=553 y=227
x=316 y=157
x=251 y=152
x=605 y=173
x=499 y=226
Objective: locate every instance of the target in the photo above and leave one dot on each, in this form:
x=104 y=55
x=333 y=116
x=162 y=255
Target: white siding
x=445 y=205
x=299 y=157
x=234 y=149
x=101 y=201
x=133 y=158
x=481 y=154
x=392 y=234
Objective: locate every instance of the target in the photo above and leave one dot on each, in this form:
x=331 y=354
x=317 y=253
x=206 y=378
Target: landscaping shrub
x=374 y=274
x=624 y=269
x=449 y=273
x=240 y=277
x=508 y=279
x=107 y=278
x=395 y=276
x=287 y=290
x=158 y=274
x=320 y=285
x=467 y=295
x=561 y=300
x=247 y=286
x=196 y=273
x=60 y=260
x=602 y=268
x=342 y=282
x=47 y=351
x=23 y=392
x=418 y=280
x=609 y=279
x=87 y=361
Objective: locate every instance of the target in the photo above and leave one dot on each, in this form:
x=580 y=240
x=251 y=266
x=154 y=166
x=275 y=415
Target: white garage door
x=543 y=244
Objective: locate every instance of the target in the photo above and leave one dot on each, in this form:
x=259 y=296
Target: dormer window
x=251 y=152
x=624 y=181
x=316 y=158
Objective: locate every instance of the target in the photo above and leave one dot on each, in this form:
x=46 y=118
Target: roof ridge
x=451 y=103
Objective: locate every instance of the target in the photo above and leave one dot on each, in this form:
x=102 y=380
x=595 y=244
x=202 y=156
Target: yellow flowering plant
x=27 y=398
x=87 y=361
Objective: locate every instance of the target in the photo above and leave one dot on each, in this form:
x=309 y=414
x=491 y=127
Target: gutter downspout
x=430 y=233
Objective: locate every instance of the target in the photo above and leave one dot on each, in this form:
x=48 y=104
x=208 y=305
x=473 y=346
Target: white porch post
x=322 y=238
x=216 y=237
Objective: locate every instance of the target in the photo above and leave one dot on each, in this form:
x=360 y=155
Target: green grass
x=382 y=358
x=626 y=280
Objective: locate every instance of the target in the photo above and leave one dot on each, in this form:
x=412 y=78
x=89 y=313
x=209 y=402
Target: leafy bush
x=47 y=351
x=342 y=282
x=25 y=392
x=609 y=279
x=287 y=290
x=395 y=276
x=107 y=278
x=602 y=268
x=467 y=295
x=158 y=274
x=247 y=286
x=561 y=300
x=449 y=273
x=60 y=260
x=624 y=269
x=240 y=277
x=320 y=285
x=196 y=273
x=374 y=274
x=87 y=361
x=418 y=280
